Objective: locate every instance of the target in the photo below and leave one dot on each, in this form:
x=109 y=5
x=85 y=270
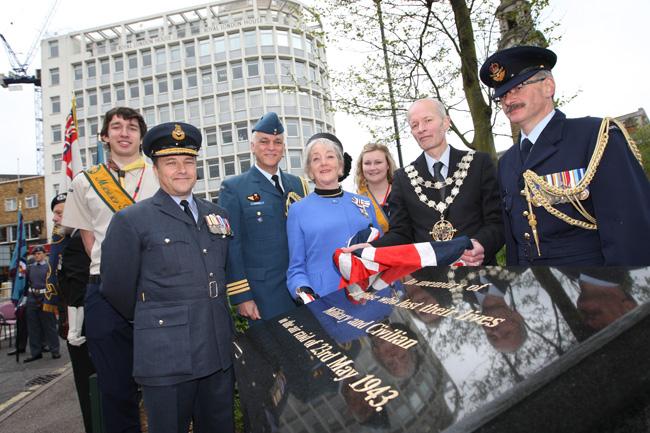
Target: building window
x=177 y=81
x=92 y=126
x=222 y=74
x=296 y=40
x=77 y=72
x=213 y=168
x=211 y=136
x=148 y=87
x=199 y=170
x=56 y=188
x=175 y=53
x=162 y=84
x=91 y=69
x=255 y=98
x=292 y=127
x=229 y=165
x=92 y=98
x=55 y=103
x=204 y=47
x=33 y=230
x=163 y=113
x=191 y=79
x=295 y=158
x=54 y=48
x=226 y=134
x=104 y=67
x=118 y=63
x=250 y=39
x=283 y=38
x=149 y=115
x=236 y=71
x=219 y=45
x=190 y=52
x=146 y=58
x=56 y=133
x=266 y=37
x=224 y=104
x=234 y=41
x=239 y=101
x=161 y=57
x=242 y=131
x=31 y=201
x=133 y=61
x=179 y=111
x=269 y=66
x=119 y=92
x=208 y=106
x=206 y=76
x=56 y=162
x=55 y=77
x=106 y=95
x=81 y=128
x=244 y=162
x=193 y=113
x=285 y=67
x=11 y=204
x=253 y=68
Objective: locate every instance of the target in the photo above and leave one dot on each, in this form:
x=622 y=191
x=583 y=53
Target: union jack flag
x=71 y=158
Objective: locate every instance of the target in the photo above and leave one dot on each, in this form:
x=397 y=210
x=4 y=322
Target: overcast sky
x=602 y=55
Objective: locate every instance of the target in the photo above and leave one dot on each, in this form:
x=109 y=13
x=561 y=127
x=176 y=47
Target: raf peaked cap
x=509 y=68
x=59 y=198
x=38 y=249
x=173 y=138
x=269 y=123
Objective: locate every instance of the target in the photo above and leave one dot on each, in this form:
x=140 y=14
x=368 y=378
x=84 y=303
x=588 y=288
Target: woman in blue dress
x=324 y=220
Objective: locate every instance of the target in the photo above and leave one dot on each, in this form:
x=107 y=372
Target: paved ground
x=44 y=407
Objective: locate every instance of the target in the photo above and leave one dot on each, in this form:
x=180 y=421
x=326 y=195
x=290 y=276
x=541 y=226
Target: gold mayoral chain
x=539 y=192
x=442 y=230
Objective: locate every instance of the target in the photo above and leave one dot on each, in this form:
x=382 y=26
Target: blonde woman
x=374 y=176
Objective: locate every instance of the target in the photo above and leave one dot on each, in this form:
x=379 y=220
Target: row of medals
x=442 y=230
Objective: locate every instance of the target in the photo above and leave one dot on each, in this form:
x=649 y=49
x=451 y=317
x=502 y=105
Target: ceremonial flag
x=18 y=266
x=71 y=156
x=377 y=267
x=100 y=153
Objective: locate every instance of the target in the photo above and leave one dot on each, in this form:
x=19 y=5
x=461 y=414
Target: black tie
x=438 y=177
x=526 y=145
x=186 y=208
x=276 y=180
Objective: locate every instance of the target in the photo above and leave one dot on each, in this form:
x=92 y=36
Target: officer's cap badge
x=497 y=72
x=178 y=134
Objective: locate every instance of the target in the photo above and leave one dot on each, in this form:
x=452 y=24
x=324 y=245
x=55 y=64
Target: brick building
x=29 y=193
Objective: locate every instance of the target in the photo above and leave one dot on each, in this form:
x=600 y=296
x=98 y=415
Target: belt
x=94 y=279
x=37 y=291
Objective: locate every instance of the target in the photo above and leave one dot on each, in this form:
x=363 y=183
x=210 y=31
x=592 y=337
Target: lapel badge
x=254 y=197
x=362 y=205
x=217 y=225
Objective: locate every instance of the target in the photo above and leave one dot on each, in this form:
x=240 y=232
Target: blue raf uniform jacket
x=167 y=273
x=619 y=199
x=259 y=252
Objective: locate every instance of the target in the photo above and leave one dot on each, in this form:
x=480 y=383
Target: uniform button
x=525 y=213
x=527 y=236
x=161 y=322
x=211 y=274
x=259 y=213
x=167 y=240
x=523 y=192
x=205 y=251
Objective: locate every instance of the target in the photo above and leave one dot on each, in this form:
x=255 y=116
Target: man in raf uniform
x=257 y=202
x=94 y=196
x=573 y=191
x=164 y=268
x=445 y=192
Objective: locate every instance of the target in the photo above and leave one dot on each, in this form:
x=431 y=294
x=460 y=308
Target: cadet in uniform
x=257 y=202
x=94 y=196
x=164 y=268
x=573 y=191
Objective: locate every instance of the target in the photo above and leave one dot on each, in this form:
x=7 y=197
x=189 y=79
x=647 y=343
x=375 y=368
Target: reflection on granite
x=431 y=352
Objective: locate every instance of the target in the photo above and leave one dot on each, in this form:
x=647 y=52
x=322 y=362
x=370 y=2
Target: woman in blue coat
x=324 y=220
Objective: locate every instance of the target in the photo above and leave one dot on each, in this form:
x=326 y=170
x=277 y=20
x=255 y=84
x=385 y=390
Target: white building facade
x=218 y=66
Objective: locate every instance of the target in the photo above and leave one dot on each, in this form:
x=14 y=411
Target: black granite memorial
x=458 y=350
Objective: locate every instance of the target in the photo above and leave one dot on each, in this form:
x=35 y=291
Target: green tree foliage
x=642 y=138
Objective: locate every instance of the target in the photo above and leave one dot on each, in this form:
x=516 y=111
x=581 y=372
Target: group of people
x=165 y=263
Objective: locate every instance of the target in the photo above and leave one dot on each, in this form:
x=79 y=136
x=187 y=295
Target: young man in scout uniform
x=94 y=196
x=445 y=192
x=573 y=190
x=257 y=202
x=164 y=268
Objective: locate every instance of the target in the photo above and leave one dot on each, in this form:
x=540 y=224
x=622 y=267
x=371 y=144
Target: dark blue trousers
x=110 y=343
x=41 y=326
x=207 y=402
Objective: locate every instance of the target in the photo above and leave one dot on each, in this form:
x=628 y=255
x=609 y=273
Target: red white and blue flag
x=71 y=157
x=18 y=265
x=376 y=268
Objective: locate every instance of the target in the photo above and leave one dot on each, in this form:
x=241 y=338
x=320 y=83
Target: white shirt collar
x=268 y=175
x=537 y=130
x=444 y=158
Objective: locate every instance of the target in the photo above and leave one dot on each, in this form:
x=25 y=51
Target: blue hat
x=38 y=249
x=172 y=138
x=508 y=68
x=269 y=123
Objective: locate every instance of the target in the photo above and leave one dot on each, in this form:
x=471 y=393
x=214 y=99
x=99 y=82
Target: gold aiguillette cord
x=532 y=221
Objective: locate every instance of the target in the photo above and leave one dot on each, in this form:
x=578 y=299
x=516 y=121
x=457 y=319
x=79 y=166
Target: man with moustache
x=164 y=268
x=94 y=196
x=445 y=192
x=257 y=202
x=573 y=192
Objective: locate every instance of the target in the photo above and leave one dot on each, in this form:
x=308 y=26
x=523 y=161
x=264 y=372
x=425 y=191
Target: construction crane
x=19 y=75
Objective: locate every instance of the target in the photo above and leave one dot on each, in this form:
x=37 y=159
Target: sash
x=108 y=188
x=382 y=219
